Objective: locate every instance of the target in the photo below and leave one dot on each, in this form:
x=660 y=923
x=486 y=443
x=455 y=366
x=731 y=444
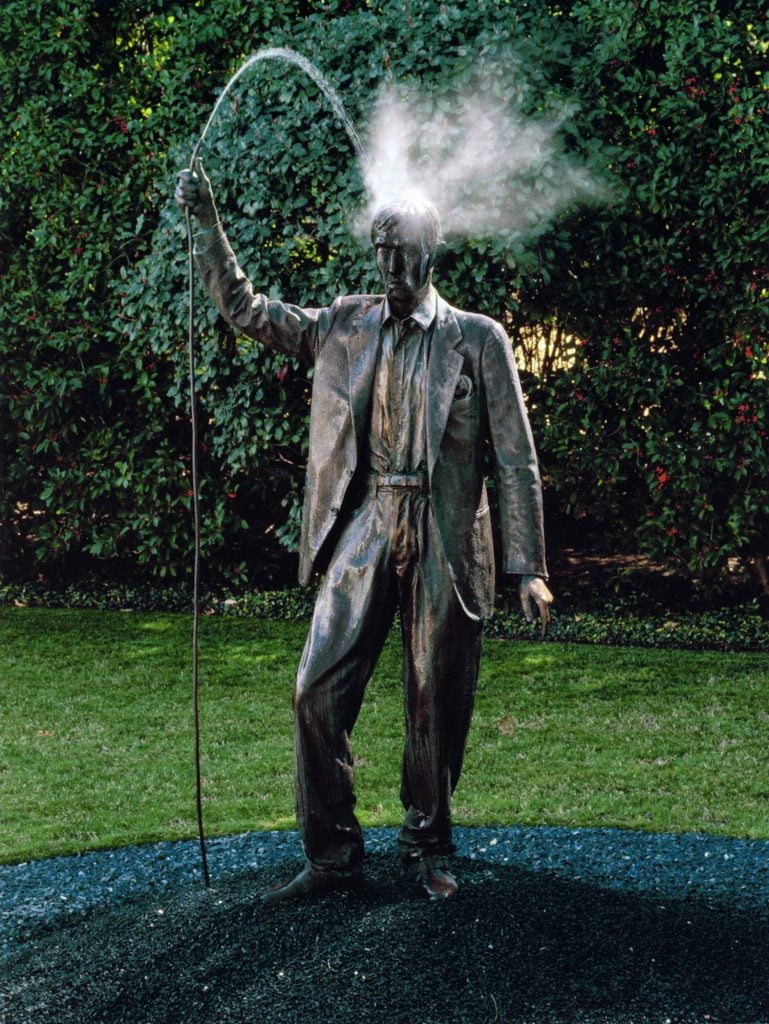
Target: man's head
x=406 y=237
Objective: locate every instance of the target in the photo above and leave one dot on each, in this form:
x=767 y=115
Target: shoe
x=312 y=882
x=433 y=875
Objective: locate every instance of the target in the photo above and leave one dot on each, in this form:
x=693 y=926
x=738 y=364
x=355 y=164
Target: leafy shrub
x=742 y=628
x=657 y=431
x=739 y=628
x=640 y=324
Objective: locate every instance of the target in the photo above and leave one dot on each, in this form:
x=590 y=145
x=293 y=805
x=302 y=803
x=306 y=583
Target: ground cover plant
x=96 y=748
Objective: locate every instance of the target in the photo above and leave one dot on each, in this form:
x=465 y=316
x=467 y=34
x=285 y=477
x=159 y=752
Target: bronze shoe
x=433 y=875
x=312 y=882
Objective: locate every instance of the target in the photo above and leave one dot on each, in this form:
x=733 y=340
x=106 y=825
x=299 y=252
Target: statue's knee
x=305 y=699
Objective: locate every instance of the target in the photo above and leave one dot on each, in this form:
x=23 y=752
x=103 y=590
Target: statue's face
x=405 y=265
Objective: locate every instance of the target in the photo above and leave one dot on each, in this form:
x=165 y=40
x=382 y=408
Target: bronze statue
x=406 y=393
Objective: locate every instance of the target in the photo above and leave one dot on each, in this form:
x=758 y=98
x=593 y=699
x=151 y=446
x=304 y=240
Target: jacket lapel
x=443 y=370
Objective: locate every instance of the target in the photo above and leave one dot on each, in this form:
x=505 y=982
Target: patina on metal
x=407 y=391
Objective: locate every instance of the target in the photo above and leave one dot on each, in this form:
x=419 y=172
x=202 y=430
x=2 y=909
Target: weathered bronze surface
x=406 y=393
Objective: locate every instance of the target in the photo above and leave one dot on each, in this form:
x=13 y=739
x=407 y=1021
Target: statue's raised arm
x=288 y=328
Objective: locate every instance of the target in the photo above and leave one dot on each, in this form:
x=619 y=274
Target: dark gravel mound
x=550 y=925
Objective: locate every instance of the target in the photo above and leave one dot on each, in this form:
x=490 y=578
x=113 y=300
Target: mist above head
x=487 y=169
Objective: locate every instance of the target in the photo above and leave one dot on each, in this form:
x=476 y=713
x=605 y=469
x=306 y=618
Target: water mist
x=488 y=169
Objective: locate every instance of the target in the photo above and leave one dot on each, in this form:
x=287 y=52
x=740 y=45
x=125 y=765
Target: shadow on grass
x=513 y=946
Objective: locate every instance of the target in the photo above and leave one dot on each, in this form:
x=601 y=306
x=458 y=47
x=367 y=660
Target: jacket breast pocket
x=464 y=389
x=463 y=421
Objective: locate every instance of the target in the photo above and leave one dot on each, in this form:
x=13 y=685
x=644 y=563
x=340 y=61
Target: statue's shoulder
x=475 y=324
x=478 y=320
x=357 y=303
x=348 y=311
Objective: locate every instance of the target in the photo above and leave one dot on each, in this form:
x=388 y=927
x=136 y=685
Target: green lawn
x=96 y=734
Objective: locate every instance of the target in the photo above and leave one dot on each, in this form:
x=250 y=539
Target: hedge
x=637 y=305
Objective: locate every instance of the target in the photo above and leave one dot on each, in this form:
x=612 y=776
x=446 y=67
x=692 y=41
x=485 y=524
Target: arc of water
x=291 y=57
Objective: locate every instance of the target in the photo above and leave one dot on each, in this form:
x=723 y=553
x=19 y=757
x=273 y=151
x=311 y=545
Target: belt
x=399 y=481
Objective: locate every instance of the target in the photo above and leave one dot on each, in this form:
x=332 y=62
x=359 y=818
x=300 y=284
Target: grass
x=96 y=734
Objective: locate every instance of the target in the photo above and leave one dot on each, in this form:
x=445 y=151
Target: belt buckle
x=400 y=481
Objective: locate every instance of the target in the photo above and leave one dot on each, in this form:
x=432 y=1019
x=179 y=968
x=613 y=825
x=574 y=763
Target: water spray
x=290 y=57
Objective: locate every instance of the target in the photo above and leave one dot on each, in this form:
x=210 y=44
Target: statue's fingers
x=199 y=171
x=544 y=618
x=181 y=195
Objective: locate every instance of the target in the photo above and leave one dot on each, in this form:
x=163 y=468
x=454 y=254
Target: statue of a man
x=407 y=391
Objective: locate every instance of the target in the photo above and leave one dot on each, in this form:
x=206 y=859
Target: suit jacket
x=474 y=397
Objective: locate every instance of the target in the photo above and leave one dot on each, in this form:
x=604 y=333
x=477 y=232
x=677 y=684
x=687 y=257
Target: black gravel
x=550 y=925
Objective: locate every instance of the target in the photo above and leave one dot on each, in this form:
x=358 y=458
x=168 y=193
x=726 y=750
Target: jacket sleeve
x=290 y=329
x=517 y=471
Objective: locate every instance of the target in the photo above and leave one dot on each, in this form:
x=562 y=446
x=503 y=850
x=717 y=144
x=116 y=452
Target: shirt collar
x=423 y=315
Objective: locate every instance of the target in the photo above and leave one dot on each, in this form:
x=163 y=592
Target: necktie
x=395 y=396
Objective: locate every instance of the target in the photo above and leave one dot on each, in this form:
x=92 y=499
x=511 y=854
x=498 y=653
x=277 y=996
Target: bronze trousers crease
x=387 y=559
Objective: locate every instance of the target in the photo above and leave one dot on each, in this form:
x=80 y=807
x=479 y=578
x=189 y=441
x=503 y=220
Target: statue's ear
x=436 y=253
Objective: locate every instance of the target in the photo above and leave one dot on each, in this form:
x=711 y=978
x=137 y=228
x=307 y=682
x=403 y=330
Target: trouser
x=388 y=557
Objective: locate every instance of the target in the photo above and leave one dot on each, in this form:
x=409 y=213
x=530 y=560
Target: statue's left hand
x=193 y=192
x=534 y=589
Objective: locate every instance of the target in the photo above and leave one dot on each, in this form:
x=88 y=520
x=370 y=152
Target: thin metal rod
x=292 y=57
x=196 y=559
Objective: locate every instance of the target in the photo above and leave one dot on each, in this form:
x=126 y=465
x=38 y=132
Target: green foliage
x=96 y=463
x=658 y=430
x=742 y=628
x=640 y=323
